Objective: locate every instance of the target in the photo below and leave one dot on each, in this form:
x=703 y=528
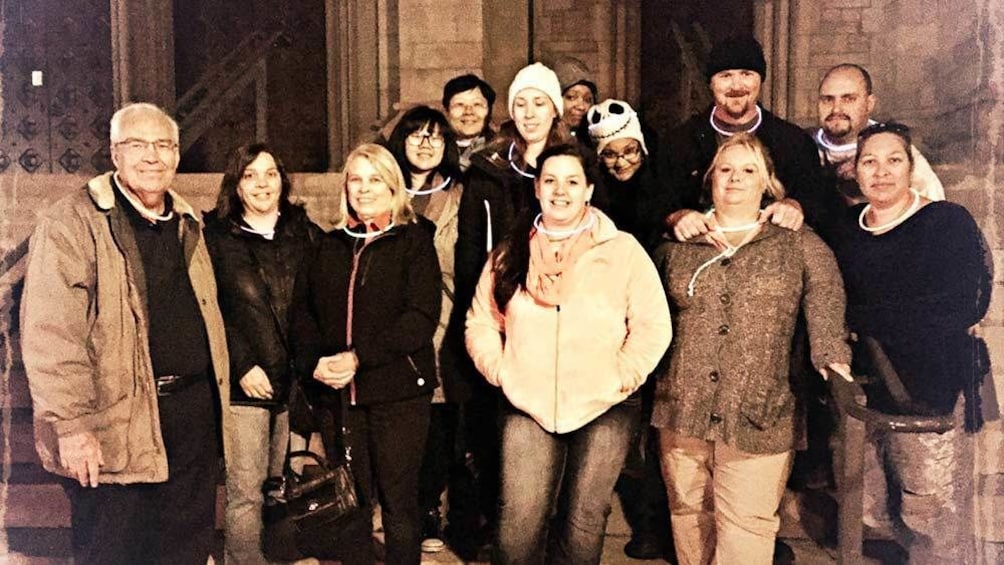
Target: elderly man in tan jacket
x=126 y=357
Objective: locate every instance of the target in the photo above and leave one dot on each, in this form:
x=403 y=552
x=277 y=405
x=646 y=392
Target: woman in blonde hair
x=369 y=305
x=728 y=418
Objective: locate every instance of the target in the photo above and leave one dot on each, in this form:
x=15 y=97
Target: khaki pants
x=723 y=502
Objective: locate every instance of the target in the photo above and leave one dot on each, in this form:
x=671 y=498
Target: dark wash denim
x=570 y=476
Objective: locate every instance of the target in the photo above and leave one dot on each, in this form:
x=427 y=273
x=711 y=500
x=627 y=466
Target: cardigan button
x=723 y=329
x=725 y=299
x=713 y=375
x=726 y=262
x=716 y=418
x=421 y=381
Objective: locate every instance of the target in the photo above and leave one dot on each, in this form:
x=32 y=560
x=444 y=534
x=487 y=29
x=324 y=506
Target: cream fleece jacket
x=566 y=365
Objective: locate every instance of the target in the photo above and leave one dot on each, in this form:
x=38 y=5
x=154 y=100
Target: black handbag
x=304 y=513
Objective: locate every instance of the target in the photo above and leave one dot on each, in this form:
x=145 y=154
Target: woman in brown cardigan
x=727 y=415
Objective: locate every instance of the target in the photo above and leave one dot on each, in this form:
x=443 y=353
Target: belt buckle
x=163 y=382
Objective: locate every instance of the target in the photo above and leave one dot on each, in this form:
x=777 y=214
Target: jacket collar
x=102 y=192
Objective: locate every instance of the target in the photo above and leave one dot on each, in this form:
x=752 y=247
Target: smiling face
x=260 y=187
x=428 y=153
x=563 y=191
x=622 y=158
x=844 y=105
x=467 y=113
x=738 y=179
x=735 y=92
x=577 y=100
x=533 y=112
x=883 y=170
x=367 y=192
x=146 y=156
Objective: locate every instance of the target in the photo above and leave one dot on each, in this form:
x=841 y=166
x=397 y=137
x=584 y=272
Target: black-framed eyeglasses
x=631 y=155
x=435 y=140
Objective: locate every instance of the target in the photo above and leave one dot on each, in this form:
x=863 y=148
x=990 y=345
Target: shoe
x=645 y=545
x=432 y=532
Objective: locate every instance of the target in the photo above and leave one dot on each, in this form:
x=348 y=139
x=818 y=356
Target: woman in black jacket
x=369 y=304
x=257 y=241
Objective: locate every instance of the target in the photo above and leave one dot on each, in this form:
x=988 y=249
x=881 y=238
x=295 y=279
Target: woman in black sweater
x=257 y=241
x=369 y=304
x=918 y=280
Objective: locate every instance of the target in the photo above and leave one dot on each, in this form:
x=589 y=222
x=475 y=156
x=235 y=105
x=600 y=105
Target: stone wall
x=439 y=40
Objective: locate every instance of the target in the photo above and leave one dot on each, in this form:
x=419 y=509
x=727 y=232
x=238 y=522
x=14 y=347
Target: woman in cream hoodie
x=568 y=320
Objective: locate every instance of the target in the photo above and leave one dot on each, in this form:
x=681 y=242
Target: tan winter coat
x=565 y=366
x=84 y=333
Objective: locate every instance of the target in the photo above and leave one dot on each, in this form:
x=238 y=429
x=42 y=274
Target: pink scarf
x=546 y=278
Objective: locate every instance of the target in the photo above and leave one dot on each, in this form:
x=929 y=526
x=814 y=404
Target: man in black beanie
x=735 y=72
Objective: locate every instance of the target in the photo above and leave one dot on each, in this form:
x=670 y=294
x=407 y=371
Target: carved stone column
x=143 y=52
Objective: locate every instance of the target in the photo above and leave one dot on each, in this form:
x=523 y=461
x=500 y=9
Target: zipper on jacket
x=356 y=255
x=557 y=334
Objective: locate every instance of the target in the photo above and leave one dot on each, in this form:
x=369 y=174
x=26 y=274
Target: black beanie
x=741 y=52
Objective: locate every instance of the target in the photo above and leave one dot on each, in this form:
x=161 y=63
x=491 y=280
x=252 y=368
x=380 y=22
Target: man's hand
x=786 y=213
x=337 y=370
x=80 y=453
x=255 y=384
x=690 y=223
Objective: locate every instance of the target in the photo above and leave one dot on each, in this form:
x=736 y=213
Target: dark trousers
x=150 y=523
x=482 y=421
x=387 y=442
x=440 y=455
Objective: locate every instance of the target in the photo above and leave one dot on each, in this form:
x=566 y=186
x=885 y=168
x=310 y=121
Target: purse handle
x=341 y=435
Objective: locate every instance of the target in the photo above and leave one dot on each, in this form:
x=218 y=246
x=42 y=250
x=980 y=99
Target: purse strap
x=341 y=440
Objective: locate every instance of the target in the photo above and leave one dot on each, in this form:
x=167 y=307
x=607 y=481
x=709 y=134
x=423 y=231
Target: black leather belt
x=170 y=384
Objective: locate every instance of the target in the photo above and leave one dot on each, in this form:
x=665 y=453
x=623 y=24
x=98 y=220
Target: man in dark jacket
x=736 y=69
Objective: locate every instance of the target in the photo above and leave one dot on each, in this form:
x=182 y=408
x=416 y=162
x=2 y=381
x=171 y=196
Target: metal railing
x=858 y=423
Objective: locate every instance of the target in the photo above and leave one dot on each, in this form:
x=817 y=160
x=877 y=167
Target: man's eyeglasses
x=416 y=139
x=134 y=146
x=631 y=155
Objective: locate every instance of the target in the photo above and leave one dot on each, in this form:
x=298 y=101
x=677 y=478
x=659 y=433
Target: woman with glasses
x=368 y=306
x=919 y=277
x=257 y=241
x=728 y=415
x=425 y=148
x=568 y=321
x=626 y=151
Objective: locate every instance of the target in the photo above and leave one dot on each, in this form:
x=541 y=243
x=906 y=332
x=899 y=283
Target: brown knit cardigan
x=728 y=372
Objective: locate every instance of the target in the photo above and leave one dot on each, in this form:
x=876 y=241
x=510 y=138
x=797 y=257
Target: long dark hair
x=228 y=202
x=417 y=119
x=511 y=260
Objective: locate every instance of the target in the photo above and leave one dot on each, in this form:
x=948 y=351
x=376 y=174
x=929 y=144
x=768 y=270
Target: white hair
x=134 y=110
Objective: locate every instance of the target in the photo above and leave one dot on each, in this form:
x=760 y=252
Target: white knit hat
x=540 y=77
x=614 y=119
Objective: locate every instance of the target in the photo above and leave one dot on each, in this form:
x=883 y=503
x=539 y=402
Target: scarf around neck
x=547 y=277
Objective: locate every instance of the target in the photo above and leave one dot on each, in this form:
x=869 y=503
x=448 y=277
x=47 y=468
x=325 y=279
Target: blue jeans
x=568 y=476
x=257 y=451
